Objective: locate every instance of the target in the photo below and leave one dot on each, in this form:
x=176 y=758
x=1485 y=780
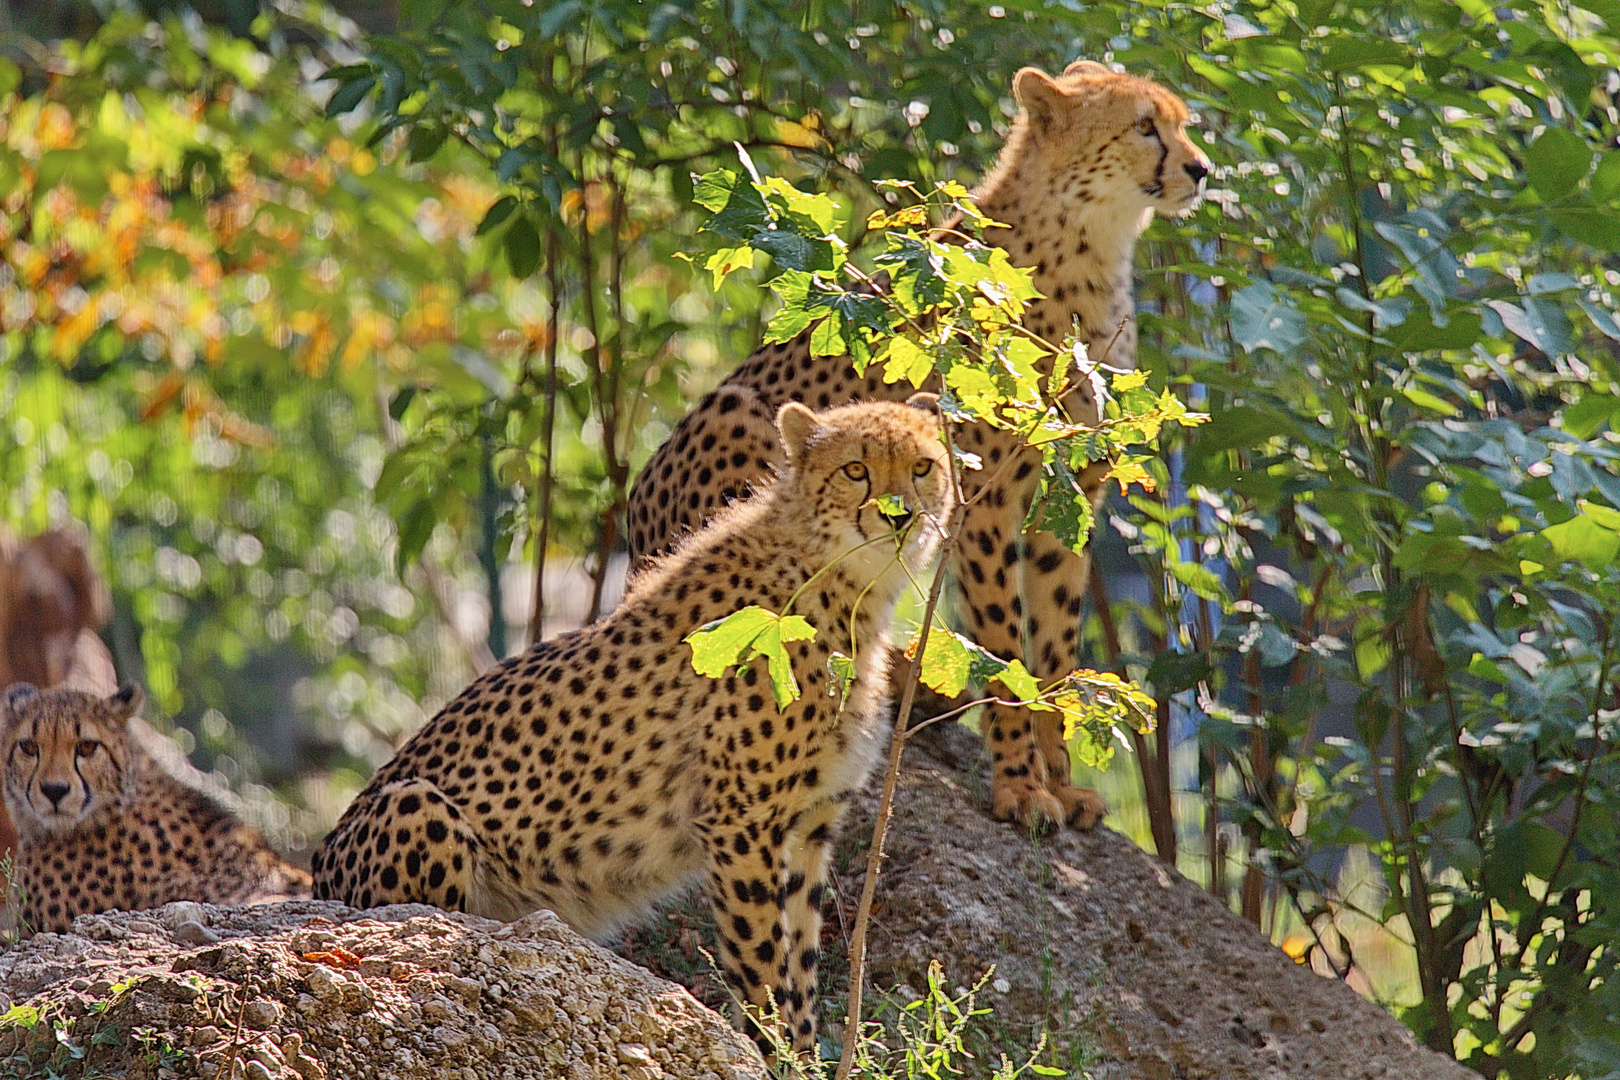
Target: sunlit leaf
x=747 y=633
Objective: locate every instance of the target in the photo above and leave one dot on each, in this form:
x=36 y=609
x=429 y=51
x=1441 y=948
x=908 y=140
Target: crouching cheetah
x=101 y=826
x=1089 y=159
x=598 y=772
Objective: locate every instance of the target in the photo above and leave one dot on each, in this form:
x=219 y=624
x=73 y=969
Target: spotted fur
x=596 y=773
x=1092 y=155
x=103 y=827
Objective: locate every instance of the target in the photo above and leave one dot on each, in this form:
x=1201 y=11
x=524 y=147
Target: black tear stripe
x=1156 y=188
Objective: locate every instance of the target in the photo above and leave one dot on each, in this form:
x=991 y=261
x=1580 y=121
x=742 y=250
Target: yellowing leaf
x=1128 y=380
x=1128 y=472
x=915 y=216
x=796 y=134
x=1016 y=677
x=743 y=635
x=726 y=260
x=945 y=663
x=904 y=359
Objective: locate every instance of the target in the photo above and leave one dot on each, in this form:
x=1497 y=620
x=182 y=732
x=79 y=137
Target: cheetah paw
x=1082 y=806
x=1030 y=805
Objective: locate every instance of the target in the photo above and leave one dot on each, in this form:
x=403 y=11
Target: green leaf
x=349 y=95
x=1582 y=539
x=1542 y=323
x=1556 y=163
x=1584 y=418
x=1016 y=678
x=743 y=635
x=1343 y=52
x=1200 y=579
x=1595 y=227
x=842 y=670
x=498 y=212
x=1606 y=180
x=1423 y=399
x=1262 y=318
x=1482 y=667
x=713 y=190
x=1172 y=672
x=522 y=243
x=723 y=262
x=743 y=215
x=425 y=139
x=905 y=360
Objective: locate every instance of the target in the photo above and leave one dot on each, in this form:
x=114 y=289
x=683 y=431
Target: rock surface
x=311 y=990
x=1099 y=942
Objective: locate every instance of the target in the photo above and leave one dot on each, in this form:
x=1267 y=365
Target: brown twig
x=891 y=781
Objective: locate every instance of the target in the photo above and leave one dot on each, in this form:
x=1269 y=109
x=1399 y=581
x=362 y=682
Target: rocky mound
x=1130 y=969
x=311 y=990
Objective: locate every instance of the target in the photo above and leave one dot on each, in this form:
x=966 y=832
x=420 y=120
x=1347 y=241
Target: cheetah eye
x=855 y=471
x=86 y=747
x=923 y=467
x=29 y=747
x=1147 y=127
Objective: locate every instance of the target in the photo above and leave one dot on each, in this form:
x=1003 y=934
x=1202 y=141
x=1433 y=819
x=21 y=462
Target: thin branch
x=891 y=781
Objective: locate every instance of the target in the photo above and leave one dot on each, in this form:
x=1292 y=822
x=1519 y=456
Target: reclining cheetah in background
x=1090 y=157
x=596 y=773
x=103 y=827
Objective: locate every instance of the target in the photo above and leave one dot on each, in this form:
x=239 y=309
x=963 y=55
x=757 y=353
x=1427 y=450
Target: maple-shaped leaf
x=743 y=635
x=946 y=662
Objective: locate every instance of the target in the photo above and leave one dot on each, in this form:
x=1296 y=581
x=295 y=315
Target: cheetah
x=1090 y=158
x=101 y=826
x=598 y=772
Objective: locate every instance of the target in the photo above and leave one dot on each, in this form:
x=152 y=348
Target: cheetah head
x=66 y=754
x=1102 y=137
x=871 y=472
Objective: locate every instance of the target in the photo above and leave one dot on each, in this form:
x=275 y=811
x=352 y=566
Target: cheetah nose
x=1197 y=170
x=53 y=790
x=897 y=521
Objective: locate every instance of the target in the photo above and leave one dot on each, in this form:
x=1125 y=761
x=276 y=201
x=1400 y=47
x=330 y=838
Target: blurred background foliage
x=341 y=343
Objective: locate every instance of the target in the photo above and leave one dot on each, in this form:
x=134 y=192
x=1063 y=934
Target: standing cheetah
x=103 y=827
x=596 y=773
x=1089 y=159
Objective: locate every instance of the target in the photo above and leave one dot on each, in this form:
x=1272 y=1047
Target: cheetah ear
x=796 y=423
x=1042 y=100
x=1087 y=67
x=127 y=700
x=928 y=403
x=17 y=695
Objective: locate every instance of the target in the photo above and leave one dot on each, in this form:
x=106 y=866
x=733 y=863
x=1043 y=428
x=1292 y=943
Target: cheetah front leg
x=807 y=853
x=1054 y=580
x=1021 y=594
x=747 y=874
x=987 y=563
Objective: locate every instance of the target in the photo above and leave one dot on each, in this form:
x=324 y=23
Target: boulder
x=311 y=990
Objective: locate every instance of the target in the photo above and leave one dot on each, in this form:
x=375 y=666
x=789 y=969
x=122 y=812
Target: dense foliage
x=299 y=351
